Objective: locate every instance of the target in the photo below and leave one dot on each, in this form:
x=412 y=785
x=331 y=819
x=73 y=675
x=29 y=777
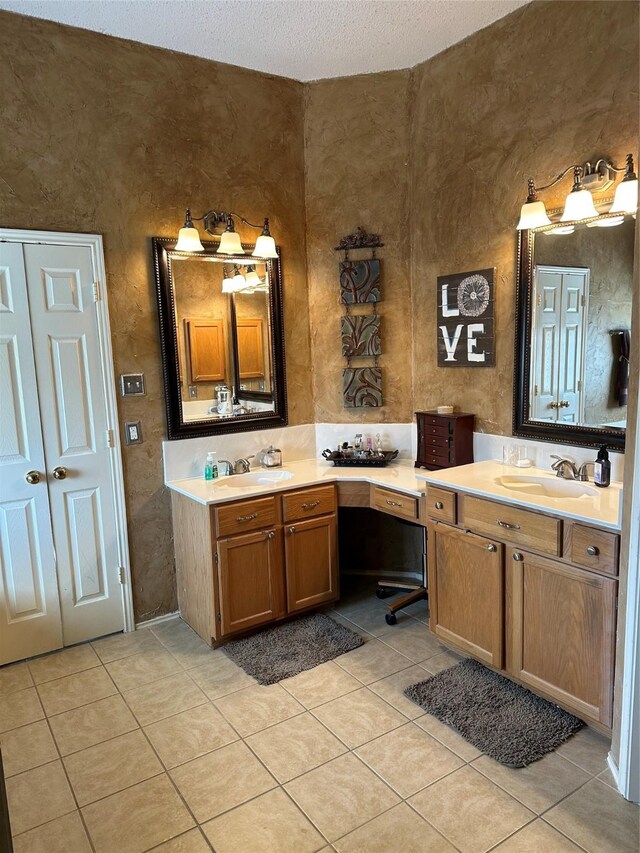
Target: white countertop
x=602 y=507
x=399 y=474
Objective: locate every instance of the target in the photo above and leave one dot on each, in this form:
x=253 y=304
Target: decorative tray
x=360 y=458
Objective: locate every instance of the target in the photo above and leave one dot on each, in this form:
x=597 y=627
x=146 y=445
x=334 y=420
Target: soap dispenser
x=211 y=467
x=602 y=468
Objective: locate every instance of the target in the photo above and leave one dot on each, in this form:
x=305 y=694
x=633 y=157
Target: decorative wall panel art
x=360 y=281
x=361 y=335
x=465 y=319
x=362 y=386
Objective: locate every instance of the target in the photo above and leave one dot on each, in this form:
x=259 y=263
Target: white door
x=557 y=380
x=68 y=405
x=29 y=608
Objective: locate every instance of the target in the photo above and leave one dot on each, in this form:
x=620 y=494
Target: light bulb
x=230 y=244
x=533 y=215
x=188 y=237
x=625 y=199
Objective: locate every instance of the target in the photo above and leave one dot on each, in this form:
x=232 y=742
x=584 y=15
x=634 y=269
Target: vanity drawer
x=308 y=503
x=594 y=549
x=436 y=429
x=438 y=456
x=441 y=504
x=244 y=516
x=395 y=503
x=437 y=441
x=512 y=524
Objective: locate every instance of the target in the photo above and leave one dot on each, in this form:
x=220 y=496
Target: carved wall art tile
x=361 y=335
x=359 y=281
x=362 y=387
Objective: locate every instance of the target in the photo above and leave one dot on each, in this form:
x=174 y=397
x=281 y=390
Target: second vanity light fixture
x=579 y=204
x=230 y=244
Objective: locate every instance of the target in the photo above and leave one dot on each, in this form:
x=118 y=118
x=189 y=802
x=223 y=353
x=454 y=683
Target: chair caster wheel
x=390 y=618
x=382 y=592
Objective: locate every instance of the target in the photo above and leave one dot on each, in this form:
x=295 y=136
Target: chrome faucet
x=242 y=465
x=565 y=468
x=228 y=464
x=582 y=471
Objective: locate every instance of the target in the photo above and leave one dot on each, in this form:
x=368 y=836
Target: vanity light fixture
x=252 y=278
x=233 y=283
x=230 y=243
x=579 y=205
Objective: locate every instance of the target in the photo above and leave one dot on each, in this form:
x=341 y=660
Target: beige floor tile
x=413 y=640
x=320 y=684
x=38 y=796
x=607 y=777
x=65 y=834
x=188 y=649
x=170 y=628
x=221 y=780
x=15 y=676
x=537 y=837
x=400 y=829
x=27 y=747
x=254 y=708
x=359 y=717
x=161 y=699
x=295 y=746
x=347 y=623
x=459 y=807
x=444 y=660
x=76 y=690
x=419 y=610
x=138 y=818
x=83 y=727
x=588 y=749
x=268 y=823
x=409 y=759
x=391 y=689
x=373 y=661
x=191 y=733
x=538 y=786
x=191 y=842
x=137 y=670
x=369 y=619
x=220 y=676
x=449 y=737
x=64 y=662
x=598 y=819
x=341 y=795
x=111 y=766
x=19 y=709
x=119 y=646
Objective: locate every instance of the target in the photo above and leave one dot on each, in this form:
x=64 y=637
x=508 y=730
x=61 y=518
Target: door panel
x=71 y=389
x=311 y=562
x=30 y=621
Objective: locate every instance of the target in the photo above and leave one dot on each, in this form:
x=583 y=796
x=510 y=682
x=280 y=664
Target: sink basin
x=546 y=486
x=255 y=478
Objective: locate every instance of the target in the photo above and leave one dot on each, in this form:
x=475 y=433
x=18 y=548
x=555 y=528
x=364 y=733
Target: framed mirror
x=222 y=340
x=573 y=326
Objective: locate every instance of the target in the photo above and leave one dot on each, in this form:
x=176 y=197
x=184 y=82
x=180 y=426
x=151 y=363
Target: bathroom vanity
x=523 y=576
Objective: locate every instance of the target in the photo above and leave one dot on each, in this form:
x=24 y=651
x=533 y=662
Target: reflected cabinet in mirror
x=573 y=317
x=222 y=336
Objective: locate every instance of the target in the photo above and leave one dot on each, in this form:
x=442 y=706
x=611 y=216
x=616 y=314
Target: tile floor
x=151 y=741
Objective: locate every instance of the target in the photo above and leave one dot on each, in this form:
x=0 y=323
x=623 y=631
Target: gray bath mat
x=288 y=649
x=502 y=719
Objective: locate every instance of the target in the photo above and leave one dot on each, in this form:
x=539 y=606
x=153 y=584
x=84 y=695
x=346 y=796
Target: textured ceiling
x=303 y=39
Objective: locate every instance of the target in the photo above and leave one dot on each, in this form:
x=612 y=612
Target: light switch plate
x=132 y=384
x=132 y=432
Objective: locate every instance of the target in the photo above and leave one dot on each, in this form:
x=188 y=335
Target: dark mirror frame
x=522 y=426
x=176 y=427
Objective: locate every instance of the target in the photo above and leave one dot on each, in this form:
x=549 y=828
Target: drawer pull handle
x=310 y=505
x=439 y=505
x=247 y=517
x=393 y=503
x=507 y=525
x=492 y=548
x=593 y=551
x=517 y=557
x=292 y=530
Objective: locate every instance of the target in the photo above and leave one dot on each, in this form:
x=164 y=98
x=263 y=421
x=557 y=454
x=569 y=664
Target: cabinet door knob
x=271 y=534
x=32 y=477
x=518 y=557
x=439 y=505
x=491 y=548
x=593 y=551
x=292 y=530
x=59 y=473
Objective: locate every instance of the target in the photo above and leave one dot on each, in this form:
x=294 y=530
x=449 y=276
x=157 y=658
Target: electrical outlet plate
x=132 y=384
x=132 y=432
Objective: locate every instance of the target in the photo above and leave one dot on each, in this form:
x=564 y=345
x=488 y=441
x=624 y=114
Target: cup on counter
x=508 y=454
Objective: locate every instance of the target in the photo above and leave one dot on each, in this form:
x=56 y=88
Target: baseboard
x=613 y=767
x=149 y=623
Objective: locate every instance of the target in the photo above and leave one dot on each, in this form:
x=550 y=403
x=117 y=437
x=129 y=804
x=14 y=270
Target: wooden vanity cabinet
x=311 y=562
x=466 y=578
x=561 y=632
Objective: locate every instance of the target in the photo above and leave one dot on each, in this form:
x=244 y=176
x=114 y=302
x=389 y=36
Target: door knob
x=292 y=530
x=271 y=534
x=32 y=477
x=491 y=548
x=518 y=557
x=59 y=473
x=593 y=551
x=439 y=505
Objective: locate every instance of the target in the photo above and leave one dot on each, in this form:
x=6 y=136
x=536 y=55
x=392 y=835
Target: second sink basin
x=546 y=486
x=255 y=478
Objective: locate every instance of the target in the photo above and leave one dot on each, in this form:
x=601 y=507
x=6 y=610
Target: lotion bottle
x=602 y=468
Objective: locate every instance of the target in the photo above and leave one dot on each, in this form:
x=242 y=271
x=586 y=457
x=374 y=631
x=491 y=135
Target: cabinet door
x=251 y=580
x=311 y=562
x=206 y=350
x=561 y=632
x=466 y=592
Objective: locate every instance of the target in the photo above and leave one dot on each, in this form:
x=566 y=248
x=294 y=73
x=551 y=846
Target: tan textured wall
x=114 y=137
x=530 y=94
x=357 y=170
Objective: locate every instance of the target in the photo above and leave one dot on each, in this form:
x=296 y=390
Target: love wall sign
x=465 y=317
